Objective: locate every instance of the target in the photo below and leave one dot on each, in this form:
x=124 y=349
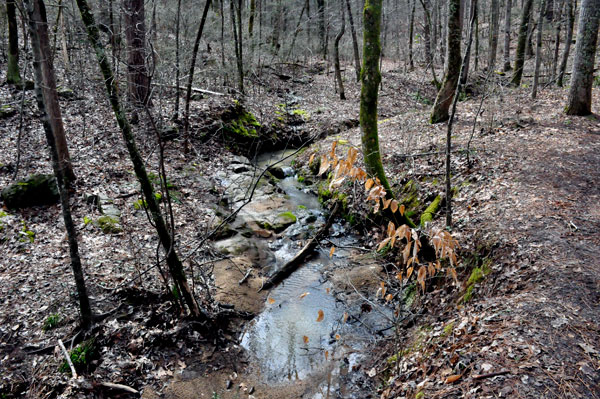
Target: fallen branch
x=68 y=357
x=194 y=89
x=243 y=280
x=296 y=261
x=489 y=375
x=119 y=386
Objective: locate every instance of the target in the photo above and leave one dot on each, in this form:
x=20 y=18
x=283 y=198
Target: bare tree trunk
x=188 y=92
x=538 y=50
x=322 y=30
x=444 y=97
x=451 y=122
x=336 y=53
x=427 y=36
x=493 y=36
x=165 y=236
x=557 y=24
x=177 y=61
x=411 y=33
x=522 y=43
x=236 y=27
x=464 y=75
x=296 y=31
x=47 y=99
x=507 y=19
x=251 y=18
x=138 y=78
x=582 y=79
x=13 y=75
x=565 y=55
x=354 y=41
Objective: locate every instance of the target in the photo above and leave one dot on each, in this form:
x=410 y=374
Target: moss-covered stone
x=35 y=190
x=108 y=224
x=7 y=110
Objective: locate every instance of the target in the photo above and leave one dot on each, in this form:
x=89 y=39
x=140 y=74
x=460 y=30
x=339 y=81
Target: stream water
x=305 y=331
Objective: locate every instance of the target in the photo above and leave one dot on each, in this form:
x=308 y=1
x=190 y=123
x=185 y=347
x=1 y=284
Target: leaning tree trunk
x=166 y=239
x=354 y=41
x=46 y=95
x=565 y=55
x=12 y=70
x=138 y=79
x=51 y=102
x=507 y=36
x=444 y=97
x=188 y=89
x=493 y=35
x=522 y=43
x=582 y=79
x=464 y=74
x=538 y=50
x=336 y=53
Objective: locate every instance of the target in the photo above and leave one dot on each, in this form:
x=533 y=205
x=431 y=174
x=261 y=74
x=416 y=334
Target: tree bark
x=51 y=103
x=45 y=89
x=177 y=61
x=444 y=97
x=13 y=75
x=138 y=79
x=493 y=35
x=522 y=43
x=237 y=35
x=166 y=239
x=322 y=30
x=188 y=92
x=582 y=79
x=411 y=33
x=569 y=31
x=354 y=42
x=427 y=36
x=538 y=50
x=464 y=75
x=336 y=53
x=251 y=18
x=507 y=22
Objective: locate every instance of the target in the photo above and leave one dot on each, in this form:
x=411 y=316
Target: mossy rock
x=36 y=190
x=108 y=224
x=7 y=111
x=65 y=92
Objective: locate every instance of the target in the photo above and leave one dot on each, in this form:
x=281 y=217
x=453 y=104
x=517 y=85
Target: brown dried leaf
x=321 y=316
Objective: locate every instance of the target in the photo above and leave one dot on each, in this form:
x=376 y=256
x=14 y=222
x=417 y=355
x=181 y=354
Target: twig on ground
x=119 y=386
x=68 y=357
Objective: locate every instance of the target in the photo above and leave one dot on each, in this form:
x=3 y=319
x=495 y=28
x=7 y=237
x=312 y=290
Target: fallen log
x=296 y=261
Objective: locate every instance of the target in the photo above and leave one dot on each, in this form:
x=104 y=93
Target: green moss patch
x=108 y=224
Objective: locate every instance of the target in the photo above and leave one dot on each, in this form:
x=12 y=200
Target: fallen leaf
x=337 y=336
x=303 y=295
x=331 y=251
x=453 y=378
x=326 y=355
x=321 y=316
x=305 y=339
x=345 y=318
x=271 y=301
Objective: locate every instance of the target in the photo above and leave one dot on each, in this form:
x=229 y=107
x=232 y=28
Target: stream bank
x=311 y=330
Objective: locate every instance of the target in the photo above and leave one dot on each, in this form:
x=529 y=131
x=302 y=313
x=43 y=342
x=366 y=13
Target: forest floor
x=527 y=203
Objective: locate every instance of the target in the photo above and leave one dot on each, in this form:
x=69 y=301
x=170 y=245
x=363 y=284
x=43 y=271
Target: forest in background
x=379 y=198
